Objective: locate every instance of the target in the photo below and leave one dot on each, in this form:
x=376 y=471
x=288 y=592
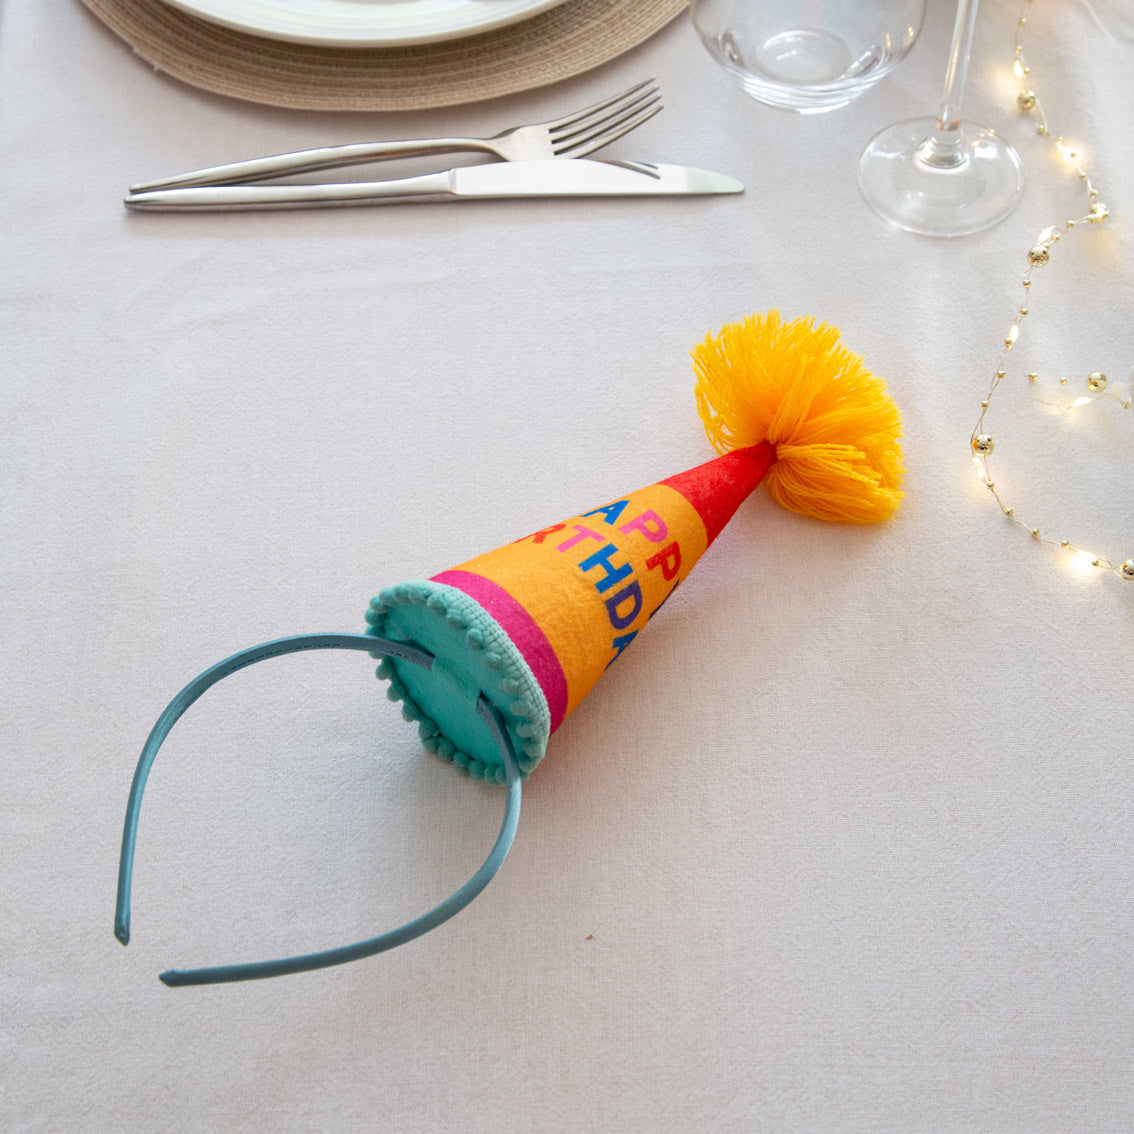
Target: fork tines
x=605 y=121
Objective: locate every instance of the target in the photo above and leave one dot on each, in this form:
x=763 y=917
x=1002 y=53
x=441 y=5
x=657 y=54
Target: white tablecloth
x=842 y=843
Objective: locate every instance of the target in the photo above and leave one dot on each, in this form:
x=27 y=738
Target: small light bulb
x=1081 y=563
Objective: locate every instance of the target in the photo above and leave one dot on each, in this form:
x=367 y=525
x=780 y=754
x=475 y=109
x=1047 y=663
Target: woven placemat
x=563 y=41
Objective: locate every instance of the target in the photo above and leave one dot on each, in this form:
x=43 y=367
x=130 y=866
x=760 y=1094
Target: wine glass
x=810 y=57
x=942 y=176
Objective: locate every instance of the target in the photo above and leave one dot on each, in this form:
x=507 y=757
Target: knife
x=554 y=177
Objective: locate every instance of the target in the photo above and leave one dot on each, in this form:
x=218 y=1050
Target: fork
x=574 y=135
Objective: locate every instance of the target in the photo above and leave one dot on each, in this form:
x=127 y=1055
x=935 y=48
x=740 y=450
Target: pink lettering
x=649 y=523
x=582 y=533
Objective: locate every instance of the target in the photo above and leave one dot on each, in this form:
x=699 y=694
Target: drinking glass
x=943 y=176
x=808 y=57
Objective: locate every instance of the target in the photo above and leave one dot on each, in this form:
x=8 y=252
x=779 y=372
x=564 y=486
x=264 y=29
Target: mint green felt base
x=473 y=656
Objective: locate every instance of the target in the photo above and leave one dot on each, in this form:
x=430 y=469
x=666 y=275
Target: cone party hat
x=531 y=626
x=491 y=655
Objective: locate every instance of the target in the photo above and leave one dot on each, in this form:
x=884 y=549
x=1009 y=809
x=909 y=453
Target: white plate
x=364 y=23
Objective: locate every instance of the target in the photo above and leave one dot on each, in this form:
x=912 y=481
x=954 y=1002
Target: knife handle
x=307 y=161
x=233 y=198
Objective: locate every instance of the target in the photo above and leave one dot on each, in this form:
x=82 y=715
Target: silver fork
x=574 y=135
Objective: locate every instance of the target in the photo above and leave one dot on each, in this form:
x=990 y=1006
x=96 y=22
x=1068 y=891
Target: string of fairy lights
x=1078 y=390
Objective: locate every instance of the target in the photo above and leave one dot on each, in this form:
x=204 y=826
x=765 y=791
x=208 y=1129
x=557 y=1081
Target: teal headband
x=376 y=648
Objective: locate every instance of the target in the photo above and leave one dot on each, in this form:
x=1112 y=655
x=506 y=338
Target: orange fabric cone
x=573 y=596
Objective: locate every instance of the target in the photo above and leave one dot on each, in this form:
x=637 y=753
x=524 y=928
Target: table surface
x=842 y=843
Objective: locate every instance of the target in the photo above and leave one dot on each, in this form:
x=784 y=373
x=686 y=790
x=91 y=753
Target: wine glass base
x=964 y=185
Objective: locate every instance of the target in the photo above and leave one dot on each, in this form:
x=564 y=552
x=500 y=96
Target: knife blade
x=554 y=177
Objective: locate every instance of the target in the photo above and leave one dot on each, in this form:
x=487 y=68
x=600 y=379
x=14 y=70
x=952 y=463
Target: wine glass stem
x=945 y=148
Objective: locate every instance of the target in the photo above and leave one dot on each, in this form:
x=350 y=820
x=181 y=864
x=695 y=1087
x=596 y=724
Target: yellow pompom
x=834 y=427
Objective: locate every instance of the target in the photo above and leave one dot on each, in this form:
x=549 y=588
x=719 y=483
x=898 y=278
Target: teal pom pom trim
x=474 y=657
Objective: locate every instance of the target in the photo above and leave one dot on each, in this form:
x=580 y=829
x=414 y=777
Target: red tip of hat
x=718 y=487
